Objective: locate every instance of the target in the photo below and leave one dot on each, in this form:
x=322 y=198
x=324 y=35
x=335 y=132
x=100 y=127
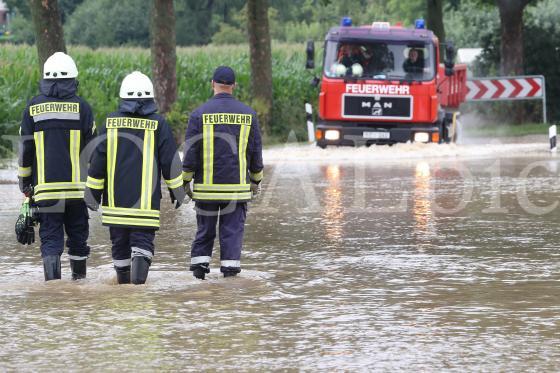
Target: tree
x=19 y=7
x=48 y=28
x=435 y=18
x=85 y=27
x=66 y=7
x=261 y=59
x=511 y=46
x=196 y=20
x=164 y=58
x=511 y=25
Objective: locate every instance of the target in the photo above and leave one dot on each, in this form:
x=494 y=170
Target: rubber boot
x=51 y=267
x=139 y=269
x=200 y=270
x=230 y=271
x=123 y=274
x=199 y=273
x=78 y=268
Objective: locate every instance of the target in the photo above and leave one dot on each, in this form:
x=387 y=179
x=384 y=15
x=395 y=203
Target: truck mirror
x=310 y=52
x=449 y=58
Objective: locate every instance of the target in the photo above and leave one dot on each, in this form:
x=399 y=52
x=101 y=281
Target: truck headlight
x=421 y=137
x=332 y=135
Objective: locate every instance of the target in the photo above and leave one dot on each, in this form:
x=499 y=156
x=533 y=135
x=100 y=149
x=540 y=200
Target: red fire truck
x=383 y=84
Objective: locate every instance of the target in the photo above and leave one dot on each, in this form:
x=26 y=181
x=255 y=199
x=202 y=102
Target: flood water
x=408 y=258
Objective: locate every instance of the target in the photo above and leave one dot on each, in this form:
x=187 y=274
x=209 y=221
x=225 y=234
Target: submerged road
x=412 y=257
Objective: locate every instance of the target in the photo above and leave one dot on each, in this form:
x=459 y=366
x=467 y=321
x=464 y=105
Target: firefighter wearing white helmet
x=357 y=70
x=60 y=66
x=136 y=86
x=136 y=150
x=338 y=69
x=56 y=126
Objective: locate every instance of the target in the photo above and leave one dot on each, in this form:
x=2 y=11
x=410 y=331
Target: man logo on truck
x=377 y=110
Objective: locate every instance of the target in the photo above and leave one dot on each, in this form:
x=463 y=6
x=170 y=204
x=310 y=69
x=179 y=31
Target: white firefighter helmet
x=60 y=66
x=338 y=69
x=136 y=85
x=357 y=69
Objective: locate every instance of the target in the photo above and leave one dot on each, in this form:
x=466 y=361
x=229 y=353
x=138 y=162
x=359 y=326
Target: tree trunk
x=164 y=58
x=48 y=28
x=435 y=18
x=261 y=60
x=511 y=48
x=511 y=23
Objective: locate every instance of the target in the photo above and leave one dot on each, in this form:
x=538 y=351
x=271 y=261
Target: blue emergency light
x=346 y=22
x=420 y=24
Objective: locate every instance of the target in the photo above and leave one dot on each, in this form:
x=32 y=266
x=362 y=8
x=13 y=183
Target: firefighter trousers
x=129 y=242
x=231 y=219
x=70 y=216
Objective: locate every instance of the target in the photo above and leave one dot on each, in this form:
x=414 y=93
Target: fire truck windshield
x=379 y=60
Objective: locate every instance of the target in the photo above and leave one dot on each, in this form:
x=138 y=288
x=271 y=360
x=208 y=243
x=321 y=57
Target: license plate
x=376 y=135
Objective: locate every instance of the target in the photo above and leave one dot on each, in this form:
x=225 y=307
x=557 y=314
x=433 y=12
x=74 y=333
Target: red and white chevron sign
x=505 y=88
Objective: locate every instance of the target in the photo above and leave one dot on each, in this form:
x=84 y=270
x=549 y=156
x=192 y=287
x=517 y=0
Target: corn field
x=102 y=70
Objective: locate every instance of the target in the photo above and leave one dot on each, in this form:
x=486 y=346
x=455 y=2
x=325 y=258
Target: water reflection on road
x=360 y=262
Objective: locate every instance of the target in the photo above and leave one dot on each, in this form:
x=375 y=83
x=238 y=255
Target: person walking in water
x=223 y=155
x=136 y=148
x=56 y=126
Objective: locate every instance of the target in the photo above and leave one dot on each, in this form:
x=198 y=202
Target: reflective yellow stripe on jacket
x=40 y=155
x=125 y=211
x=75 y=136
x=94 y=183
x=229 y=196
x=47 y=187
x=188 y=176
x=147 y=170
x=208 y=156
x=24 y=171
x=49 y=196
x=175 y=183
x=112 y=138
x=55 y=191
x=243 y=139
x=222 y=188
x=130 y=217
x=128 y=222
x=256 y=176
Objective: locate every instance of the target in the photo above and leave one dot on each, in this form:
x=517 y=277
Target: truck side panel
x=452 y=89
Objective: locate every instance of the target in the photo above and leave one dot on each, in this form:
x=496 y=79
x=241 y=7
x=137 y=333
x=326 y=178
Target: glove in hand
x=255 y=190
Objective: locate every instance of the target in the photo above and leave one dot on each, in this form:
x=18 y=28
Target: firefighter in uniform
x=223 y=154
x=136 y=147
x=56 y=126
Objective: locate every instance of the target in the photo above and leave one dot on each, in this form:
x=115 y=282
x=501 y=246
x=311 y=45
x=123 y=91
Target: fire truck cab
x=382 y=84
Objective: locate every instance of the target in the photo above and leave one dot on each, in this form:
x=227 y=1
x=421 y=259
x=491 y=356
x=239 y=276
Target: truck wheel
x=322 y=146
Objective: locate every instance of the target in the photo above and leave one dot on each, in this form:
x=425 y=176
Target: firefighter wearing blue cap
x=57 y=125
x=136 y=149
x=223 y=158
